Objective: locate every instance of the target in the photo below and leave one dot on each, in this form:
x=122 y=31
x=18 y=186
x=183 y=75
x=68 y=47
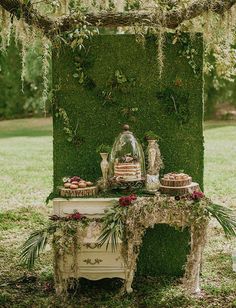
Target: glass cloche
x=127 y=164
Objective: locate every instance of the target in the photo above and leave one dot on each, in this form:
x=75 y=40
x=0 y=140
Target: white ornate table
x=92 y=262
x=96 y=262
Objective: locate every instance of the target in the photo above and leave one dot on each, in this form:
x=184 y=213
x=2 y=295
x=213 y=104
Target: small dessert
x=82 y=184
x=77 y=187
x=67 y=185
x=75 y=182
x=73 y=186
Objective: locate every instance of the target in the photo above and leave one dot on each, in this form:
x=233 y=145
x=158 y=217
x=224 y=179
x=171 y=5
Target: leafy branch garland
x=63 y=230
x=126 y=217
x=118 y=217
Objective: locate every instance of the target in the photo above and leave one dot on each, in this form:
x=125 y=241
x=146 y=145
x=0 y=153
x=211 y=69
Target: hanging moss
x=181 y=142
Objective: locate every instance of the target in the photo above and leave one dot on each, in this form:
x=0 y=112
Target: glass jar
x=127 y=164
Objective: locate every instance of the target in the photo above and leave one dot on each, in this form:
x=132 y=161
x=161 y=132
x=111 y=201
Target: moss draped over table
x=144 y=213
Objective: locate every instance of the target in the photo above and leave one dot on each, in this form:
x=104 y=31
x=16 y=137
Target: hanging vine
x=76 y=21
x=45 y=71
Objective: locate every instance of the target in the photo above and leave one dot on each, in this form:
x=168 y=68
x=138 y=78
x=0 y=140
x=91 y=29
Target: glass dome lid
x=127 y=158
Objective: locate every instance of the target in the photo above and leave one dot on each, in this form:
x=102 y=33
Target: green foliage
x=72 y=133
x=103 y=148
x=150 y=135
x=34 y=245
x=226 y=218
x=13 y=102
x=175 y=104
x=113 y=227
x=217 y=89
x=78 y=37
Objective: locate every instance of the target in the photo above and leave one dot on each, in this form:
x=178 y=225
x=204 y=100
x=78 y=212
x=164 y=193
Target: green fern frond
x=34 y=245
x=113 y=228
x=225 y=217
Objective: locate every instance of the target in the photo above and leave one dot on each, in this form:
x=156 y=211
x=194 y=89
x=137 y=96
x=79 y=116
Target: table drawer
x=95 y=260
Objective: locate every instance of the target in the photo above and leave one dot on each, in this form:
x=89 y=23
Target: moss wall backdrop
x=116 y=81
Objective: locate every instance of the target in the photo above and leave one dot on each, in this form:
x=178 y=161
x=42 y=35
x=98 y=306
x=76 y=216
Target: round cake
x=178 y=184
x=128 y=171
x=176 y=180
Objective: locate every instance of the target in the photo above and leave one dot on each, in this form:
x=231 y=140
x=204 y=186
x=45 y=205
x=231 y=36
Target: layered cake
x=130 y=171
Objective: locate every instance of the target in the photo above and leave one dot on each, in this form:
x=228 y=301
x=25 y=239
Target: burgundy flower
x=75 y=216
x=133 y=197
x=126 y=201
x=197 y=195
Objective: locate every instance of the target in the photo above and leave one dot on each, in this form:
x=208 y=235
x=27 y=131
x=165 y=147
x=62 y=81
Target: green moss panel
x=97 y=106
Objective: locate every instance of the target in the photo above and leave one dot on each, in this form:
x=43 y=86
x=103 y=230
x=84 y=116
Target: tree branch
x=170 y=19
x=29 y=14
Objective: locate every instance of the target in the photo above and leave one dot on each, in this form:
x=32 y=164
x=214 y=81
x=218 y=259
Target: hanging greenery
x=127 y=221
x=71 y=133
x=73 y=22
x=64 y=232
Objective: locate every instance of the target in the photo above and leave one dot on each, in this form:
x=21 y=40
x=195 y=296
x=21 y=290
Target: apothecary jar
x=127 y=162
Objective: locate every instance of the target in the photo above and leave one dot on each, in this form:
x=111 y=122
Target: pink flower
x=197 y=195
x=126 y=201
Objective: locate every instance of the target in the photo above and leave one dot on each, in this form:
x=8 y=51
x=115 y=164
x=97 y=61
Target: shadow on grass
x=218 y=124
x=26 y=133
x=148 y=293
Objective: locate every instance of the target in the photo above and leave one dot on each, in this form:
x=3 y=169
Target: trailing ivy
x=71 y=133
x=175 y=104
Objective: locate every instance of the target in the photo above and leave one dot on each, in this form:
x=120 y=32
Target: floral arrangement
x=126 y=201
x=196 y=205
x=61 y=229
x=127 y=220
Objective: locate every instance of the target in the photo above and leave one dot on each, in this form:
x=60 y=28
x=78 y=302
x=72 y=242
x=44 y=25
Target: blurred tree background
x=19 y=98
x=24 y=99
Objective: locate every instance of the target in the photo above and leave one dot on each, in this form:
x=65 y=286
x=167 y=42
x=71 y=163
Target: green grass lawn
x=26 y=181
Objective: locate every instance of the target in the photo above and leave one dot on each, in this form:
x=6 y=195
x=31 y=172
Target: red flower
x=126 y=201
x=75 y=216
x=197 y=195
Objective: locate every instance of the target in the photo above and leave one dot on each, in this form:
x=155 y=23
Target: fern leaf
x=225 y=217
x=34 y=245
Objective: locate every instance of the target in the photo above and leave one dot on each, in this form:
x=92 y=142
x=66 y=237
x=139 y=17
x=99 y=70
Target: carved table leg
x=192 y=271
x=60 y=290
x=128 y=282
